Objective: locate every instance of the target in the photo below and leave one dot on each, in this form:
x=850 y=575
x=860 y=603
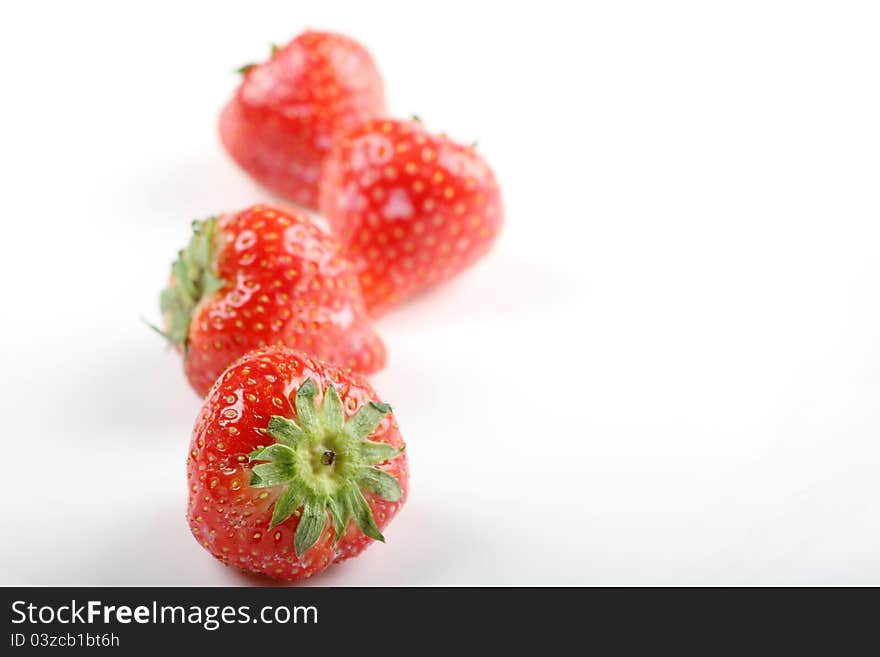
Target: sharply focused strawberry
x=279 y=124
x=411 y=208
x=293 y=465
x=265 y=276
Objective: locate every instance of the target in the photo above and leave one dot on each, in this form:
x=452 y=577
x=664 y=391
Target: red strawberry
x=265 y=276
x=293 y=466
x=411 y=208
x=278 y=126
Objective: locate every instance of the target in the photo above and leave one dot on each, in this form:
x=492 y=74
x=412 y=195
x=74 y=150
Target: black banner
x=149 y=619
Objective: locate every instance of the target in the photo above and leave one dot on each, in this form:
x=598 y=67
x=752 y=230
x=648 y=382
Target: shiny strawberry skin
x=412 y=209
x=284 y=282
x=279 y=125
x=230 y=518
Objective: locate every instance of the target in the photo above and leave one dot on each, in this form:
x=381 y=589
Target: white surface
x=667 y=372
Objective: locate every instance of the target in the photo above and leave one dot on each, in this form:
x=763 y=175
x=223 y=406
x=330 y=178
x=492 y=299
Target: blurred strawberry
x=259 y=277
x=411 y=208
x=279 y=125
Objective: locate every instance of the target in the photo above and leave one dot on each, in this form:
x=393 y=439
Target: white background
x=668 y=371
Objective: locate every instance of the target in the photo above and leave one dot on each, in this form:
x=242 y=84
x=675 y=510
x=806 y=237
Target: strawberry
x=411 y=208
x=293 y=465
x=278 y=126
x=263 y=276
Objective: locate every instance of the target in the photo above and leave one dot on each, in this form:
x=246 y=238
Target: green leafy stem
x=324 y=462
x=193 y=277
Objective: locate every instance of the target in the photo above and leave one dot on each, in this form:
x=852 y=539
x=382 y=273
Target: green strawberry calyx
x=193 y=277
x=324 y=461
